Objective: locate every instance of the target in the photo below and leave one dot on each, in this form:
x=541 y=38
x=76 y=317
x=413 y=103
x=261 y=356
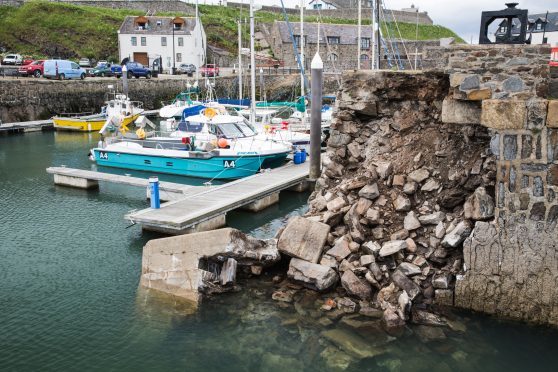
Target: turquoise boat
x=212 y=146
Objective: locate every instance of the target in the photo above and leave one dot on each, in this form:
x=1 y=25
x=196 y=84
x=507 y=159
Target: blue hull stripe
x=226 y=167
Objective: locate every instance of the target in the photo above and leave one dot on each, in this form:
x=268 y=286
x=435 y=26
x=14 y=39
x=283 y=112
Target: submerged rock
x=312 y=275
x=352 y=343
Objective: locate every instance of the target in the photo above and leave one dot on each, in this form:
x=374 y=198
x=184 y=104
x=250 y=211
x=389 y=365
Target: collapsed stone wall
x=510 y=264
x=392 y=191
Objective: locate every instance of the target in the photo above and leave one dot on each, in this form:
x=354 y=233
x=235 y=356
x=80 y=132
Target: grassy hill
x=44 y=29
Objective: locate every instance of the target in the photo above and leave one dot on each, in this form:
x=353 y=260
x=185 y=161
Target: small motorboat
x=120 y=107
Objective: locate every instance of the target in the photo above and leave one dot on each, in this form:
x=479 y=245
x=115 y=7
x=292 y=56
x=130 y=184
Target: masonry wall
x=510 y=263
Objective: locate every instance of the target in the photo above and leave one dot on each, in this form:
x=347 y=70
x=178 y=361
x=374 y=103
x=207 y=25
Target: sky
x=462 y=16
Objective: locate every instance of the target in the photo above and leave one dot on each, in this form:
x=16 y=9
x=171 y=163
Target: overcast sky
x=462 y=16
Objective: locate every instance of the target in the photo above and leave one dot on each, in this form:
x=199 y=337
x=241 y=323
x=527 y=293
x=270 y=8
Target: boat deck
x=207 y=210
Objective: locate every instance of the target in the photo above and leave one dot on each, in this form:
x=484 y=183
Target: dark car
x=135 y=69
x=102 y=70
x=187 y=68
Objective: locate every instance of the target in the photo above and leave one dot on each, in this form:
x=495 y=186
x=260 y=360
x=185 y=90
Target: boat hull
x=86 y=125
x=217 y=167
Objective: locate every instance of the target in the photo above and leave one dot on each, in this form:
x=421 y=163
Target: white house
x=320 y=4
x=544 y=24
x=176 y=40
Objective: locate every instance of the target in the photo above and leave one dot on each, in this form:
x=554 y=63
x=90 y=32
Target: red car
x=209 y=70
x=27 y=61
x=35 y=69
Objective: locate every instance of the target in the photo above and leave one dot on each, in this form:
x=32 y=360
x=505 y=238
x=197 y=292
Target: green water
x=69 y=299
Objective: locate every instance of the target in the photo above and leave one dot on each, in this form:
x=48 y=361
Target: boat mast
x=376 y=38
x=302 y=92
x=240 y=58
x=252 y=67
x=359 y=33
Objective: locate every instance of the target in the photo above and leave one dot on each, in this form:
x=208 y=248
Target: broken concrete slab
x=172 y=265
x=314 y=276
x=303 y=238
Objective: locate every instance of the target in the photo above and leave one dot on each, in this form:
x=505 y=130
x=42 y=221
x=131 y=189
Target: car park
x=35 y=69
x=12 y=59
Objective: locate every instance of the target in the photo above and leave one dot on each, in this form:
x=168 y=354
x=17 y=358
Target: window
x=365 y=43
x=177 y=26
x=364 y=57
x=333 y=40
x=134 y=41
x=180 y=41
x=143 y=41
x=332 y=57
x=538 y=26
x=159 y=23
x=297 y=39
x=163 y=41
x=142 y=25
x=178 y=57
x=75 y=66
x=318 y=6
x=503 y=29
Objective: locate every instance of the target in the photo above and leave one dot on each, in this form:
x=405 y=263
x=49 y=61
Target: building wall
x=346 y=53
x=192 y=51
x=552 y=38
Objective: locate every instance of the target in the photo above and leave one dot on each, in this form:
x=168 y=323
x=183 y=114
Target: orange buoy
x=222 y=143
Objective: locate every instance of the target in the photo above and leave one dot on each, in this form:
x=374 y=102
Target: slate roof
x=165 y=28
x=347 y=33
x=551 y=26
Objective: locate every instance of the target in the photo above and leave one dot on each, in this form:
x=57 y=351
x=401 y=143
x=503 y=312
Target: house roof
x=158 y=25
x=552 y=21
x=346 y=33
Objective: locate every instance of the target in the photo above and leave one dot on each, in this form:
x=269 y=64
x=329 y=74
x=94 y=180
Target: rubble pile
x=399 y=194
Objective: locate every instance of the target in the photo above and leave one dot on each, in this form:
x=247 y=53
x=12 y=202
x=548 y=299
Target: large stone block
x=552 y=115
x=504 y=114
x=461 y=112
x=303 y=238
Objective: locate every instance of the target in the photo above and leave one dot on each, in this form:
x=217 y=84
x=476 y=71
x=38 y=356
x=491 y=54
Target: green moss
x=43 y=29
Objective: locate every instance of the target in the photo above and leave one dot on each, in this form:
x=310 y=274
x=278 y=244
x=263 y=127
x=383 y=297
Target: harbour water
x=69 y=298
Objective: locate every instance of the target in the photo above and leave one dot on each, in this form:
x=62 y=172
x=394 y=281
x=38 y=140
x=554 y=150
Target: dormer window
x=539 y=26
x=159 y=23
x=142 y=23
x=177 y=23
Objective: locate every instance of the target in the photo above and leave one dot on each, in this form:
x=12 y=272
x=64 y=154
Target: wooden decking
x=210 y=206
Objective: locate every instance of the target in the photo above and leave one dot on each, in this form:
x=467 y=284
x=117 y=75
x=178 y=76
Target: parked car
x=62 y=69
x=187 y=68
x=209 y=70
x=27 y=61
x=12 y=59
x=135 y=69
x=84 y=62
x=35 y=69
x=101 y=62
x=102 y=70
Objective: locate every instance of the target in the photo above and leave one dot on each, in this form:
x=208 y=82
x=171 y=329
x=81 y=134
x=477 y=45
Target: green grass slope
x=46 y=29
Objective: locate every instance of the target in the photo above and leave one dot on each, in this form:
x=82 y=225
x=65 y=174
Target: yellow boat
x=119 y=107
x=89 y=123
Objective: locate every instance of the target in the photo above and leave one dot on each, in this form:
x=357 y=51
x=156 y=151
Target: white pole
x=239 y=59
x=302 y=46
x=358 y=33
x=252 y=67
x=376 y=27
x=416 y=41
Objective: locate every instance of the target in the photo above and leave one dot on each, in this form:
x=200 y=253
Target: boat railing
x=75 y=114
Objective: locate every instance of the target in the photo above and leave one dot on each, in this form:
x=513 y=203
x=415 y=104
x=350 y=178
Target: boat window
x=246 y=129
x=189 y=126
x=229 y=130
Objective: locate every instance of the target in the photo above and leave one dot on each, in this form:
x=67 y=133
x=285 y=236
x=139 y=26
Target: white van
x=62 y=69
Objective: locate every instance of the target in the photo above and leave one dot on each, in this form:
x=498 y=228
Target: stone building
x=175 y=40
x=338 y=46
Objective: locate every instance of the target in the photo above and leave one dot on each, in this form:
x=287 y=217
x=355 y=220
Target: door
x=141 y=58
x=75 y=70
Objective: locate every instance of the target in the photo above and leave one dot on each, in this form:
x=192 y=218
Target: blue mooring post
x=154 y=185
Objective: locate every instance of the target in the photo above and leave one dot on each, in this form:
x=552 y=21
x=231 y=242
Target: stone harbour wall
x=510 y=264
